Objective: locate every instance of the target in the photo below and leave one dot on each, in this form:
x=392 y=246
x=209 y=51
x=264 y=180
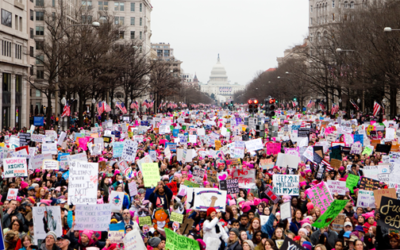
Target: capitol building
x=219 y=84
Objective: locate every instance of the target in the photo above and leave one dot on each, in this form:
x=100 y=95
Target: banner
x=92 y=217
x=286 y=184
x=246 y=178
x=179 y=242
x=320 y=196
x=82 y=187
x=129 y=150
x=330 y=214
x=46 y=219
x=151 y=174
x=15 y=167
x=338 y=187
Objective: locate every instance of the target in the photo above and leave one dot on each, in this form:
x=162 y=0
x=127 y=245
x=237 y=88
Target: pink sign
x=83 y=143
x=292 y=151
x=273 y=148
x=246 y=177
x=320 y=196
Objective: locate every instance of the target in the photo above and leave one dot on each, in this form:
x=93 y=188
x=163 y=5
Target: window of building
x=37 y=93
x=346 y=5
x=140 y=7
x=32 y=32
x=132 y=7
x=6 y=48
x=16 y=22
x=140 y=34
x=6 y=82
x=31 y=14
x=31 y=70
x=311 y=37
x=87 y=3
x=103 y=5
x=311 y=20
x=141 y=21
x=53 y=3
x=18 y=82
x=31 y=51
x=333 y=16
x=86 y=19
x=121 y=35
x=319 y=37
x=39 y=73
x=345 y=17
x=333 y=3
x=6 y=18
x=40 y=3
x=166 y=53
x=18 y=51
x=132 y=34
x=119 y=20
x=39 y=59
x=351 y=5
x=159 y=52
x=39 y=45
x=39 y=30
x=132 y=21
x=311 y=8
x=119 y=6
x=39 y=15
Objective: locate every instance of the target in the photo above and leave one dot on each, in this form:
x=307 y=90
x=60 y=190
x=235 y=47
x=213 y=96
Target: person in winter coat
x=161 y=196
x=212 y=230
x=233 y=240
x=268 y=228
x=331 y=236
x=49 y=242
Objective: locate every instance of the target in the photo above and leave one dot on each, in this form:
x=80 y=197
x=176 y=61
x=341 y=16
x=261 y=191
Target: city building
x=218 y=84
x=296 y=52
x=15 y=61
x=166 y=53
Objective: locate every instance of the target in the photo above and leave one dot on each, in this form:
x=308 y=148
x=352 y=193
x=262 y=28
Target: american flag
x=107 y=107
x=335 y=108
x=134 y=105
x=354 y=104
x=66 y=110
x=100 y=107
x=328 y=166
x=288 y=106
x=322 y=106
x=310 y=103
x=377 y=107
x=294 y=104
x=121 y=106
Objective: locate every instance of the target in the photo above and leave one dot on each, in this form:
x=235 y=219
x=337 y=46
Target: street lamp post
x=63 y=102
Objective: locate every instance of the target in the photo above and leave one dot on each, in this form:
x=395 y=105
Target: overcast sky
x=248 y=35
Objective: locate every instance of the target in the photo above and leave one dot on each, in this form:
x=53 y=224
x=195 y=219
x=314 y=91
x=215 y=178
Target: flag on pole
x=121 y=106
x=377 y=107
x=322 y=106
x=354 y=104
x=335 y=108
x=66 y=110
x=310 y=103
x=107 y=107
x=100 y=107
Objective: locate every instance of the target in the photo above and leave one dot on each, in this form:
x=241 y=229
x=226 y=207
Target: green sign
x=178 y=242
x=352 y=181
x=333 y=211
x=151 y=174
x=177 y=217
x=152 y=137
x=145 y=221
x=191 y=184
x=367 y=151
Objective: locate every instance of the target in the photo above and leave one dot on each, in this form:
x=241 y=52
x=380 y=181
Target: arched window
x=351 y=5
x=319 y=37
x=346 y=5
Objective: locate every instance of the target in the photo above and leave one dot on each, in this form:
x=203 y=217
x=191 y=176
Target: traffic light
x=270 y=106
x=255 y=106
x=251 y=105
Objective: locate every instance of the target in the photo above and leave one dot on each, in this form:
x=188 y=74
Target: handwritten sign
x=273 y=148
x=365 y=199
x=330 y=214
x=49 y=148
x=232 y=186
x=320 y=196
x=132 y=188
x=129 y=150
x=12 y=194
x=388 y=212
x=177 y=217
x=368 y=184
x=352 y=181
x=133 y=241
x=338 y=187
x=15 y=167
x=51 y=165
x=179 y=242
x=390 y=192
x=146 y=220
x=92 y=217
x=151 y=174
x=82 y=187
x=246 y=177
x=118 y=148
x=275 y=199
x=286 y=184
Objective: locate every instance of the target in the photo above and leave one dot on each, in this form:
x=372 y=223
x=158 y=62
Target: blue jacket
x=295 y=226
x=268 y=228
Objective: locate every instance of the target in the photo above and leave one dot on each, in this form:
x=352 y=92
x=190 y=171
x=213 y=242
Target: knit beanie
x=210 y=210
x=307 y=245
x=51 y=233
x=250 y=243
x=153 y=242
x=236 y=231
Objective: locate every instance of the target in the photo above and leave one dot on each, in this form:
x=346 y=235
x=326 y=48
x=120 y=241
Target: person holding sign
x=161 y=196
x=212 y=229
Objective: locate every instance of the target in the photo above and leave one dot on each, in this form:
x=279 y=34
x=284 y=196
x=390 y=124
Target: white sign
x=51 y=165
x=49 y=148
x=37 y=137
x=207 y=197
x=288 y=160
x=254 y=145
x=62 y=137
x=15 y=167
x=46 y=219
x=366 y=199
x=37 y=161
x=12 y=194
x=285 y=211
x=338 y=187
x=82 y=187
x=133 y=240
x=92 y=217
x=116 y=200
x=77 y=157
x=129 y=150
x=286 y=184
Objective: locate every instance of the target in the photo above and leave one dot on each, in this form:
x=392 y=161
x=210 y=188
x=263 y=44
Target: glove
x=217 y=229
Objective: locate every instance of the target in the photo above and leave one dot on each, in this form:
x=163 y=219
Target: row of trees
x=81 y=61
x=352 y=59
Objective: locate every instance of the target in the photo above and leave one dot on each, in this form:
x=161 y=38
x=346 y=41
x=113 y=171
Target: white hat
x=347 y=223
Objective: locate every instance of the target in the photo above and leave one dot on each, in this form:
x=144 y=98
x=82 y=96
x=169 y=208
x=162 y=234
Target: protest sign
x=129 y=150
x=12 y=194
x=151 y=174
x=116 y=233
x=338 y=223
x=145 y=220
x=338 y=187
x=365 y=199
x=286 y=184
x=206 y=197
x=254 y=145
x=118 y=147
x=330 y=214
x=264 y=219
x=286 y=160
x=320 y=196
x=153 y=155
x=179 y=242
x=46 y=219
x=190 y=184
x=356 y=148
x=293 y=151
x=273 y=148
x=285 y=209
x=36 y=161
x=132 y=188
x=352 y=181
x=212 y=176
x=51 y=165
x=92 y=217
x=389 y=213
x=246 y=178
x=146 y=159
x=82 y=186
x=24 y=139
x=275 y=199
x=37 y=137
x=133 y=240
x=368 y=184
x=222 y=185
x=77 y=157
x=232 y=186
x=289 y=244
x=49 y=148
x=176 y=217
x=390 y=193
x=371 y=172
x=15 y=167
x=116 y=200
